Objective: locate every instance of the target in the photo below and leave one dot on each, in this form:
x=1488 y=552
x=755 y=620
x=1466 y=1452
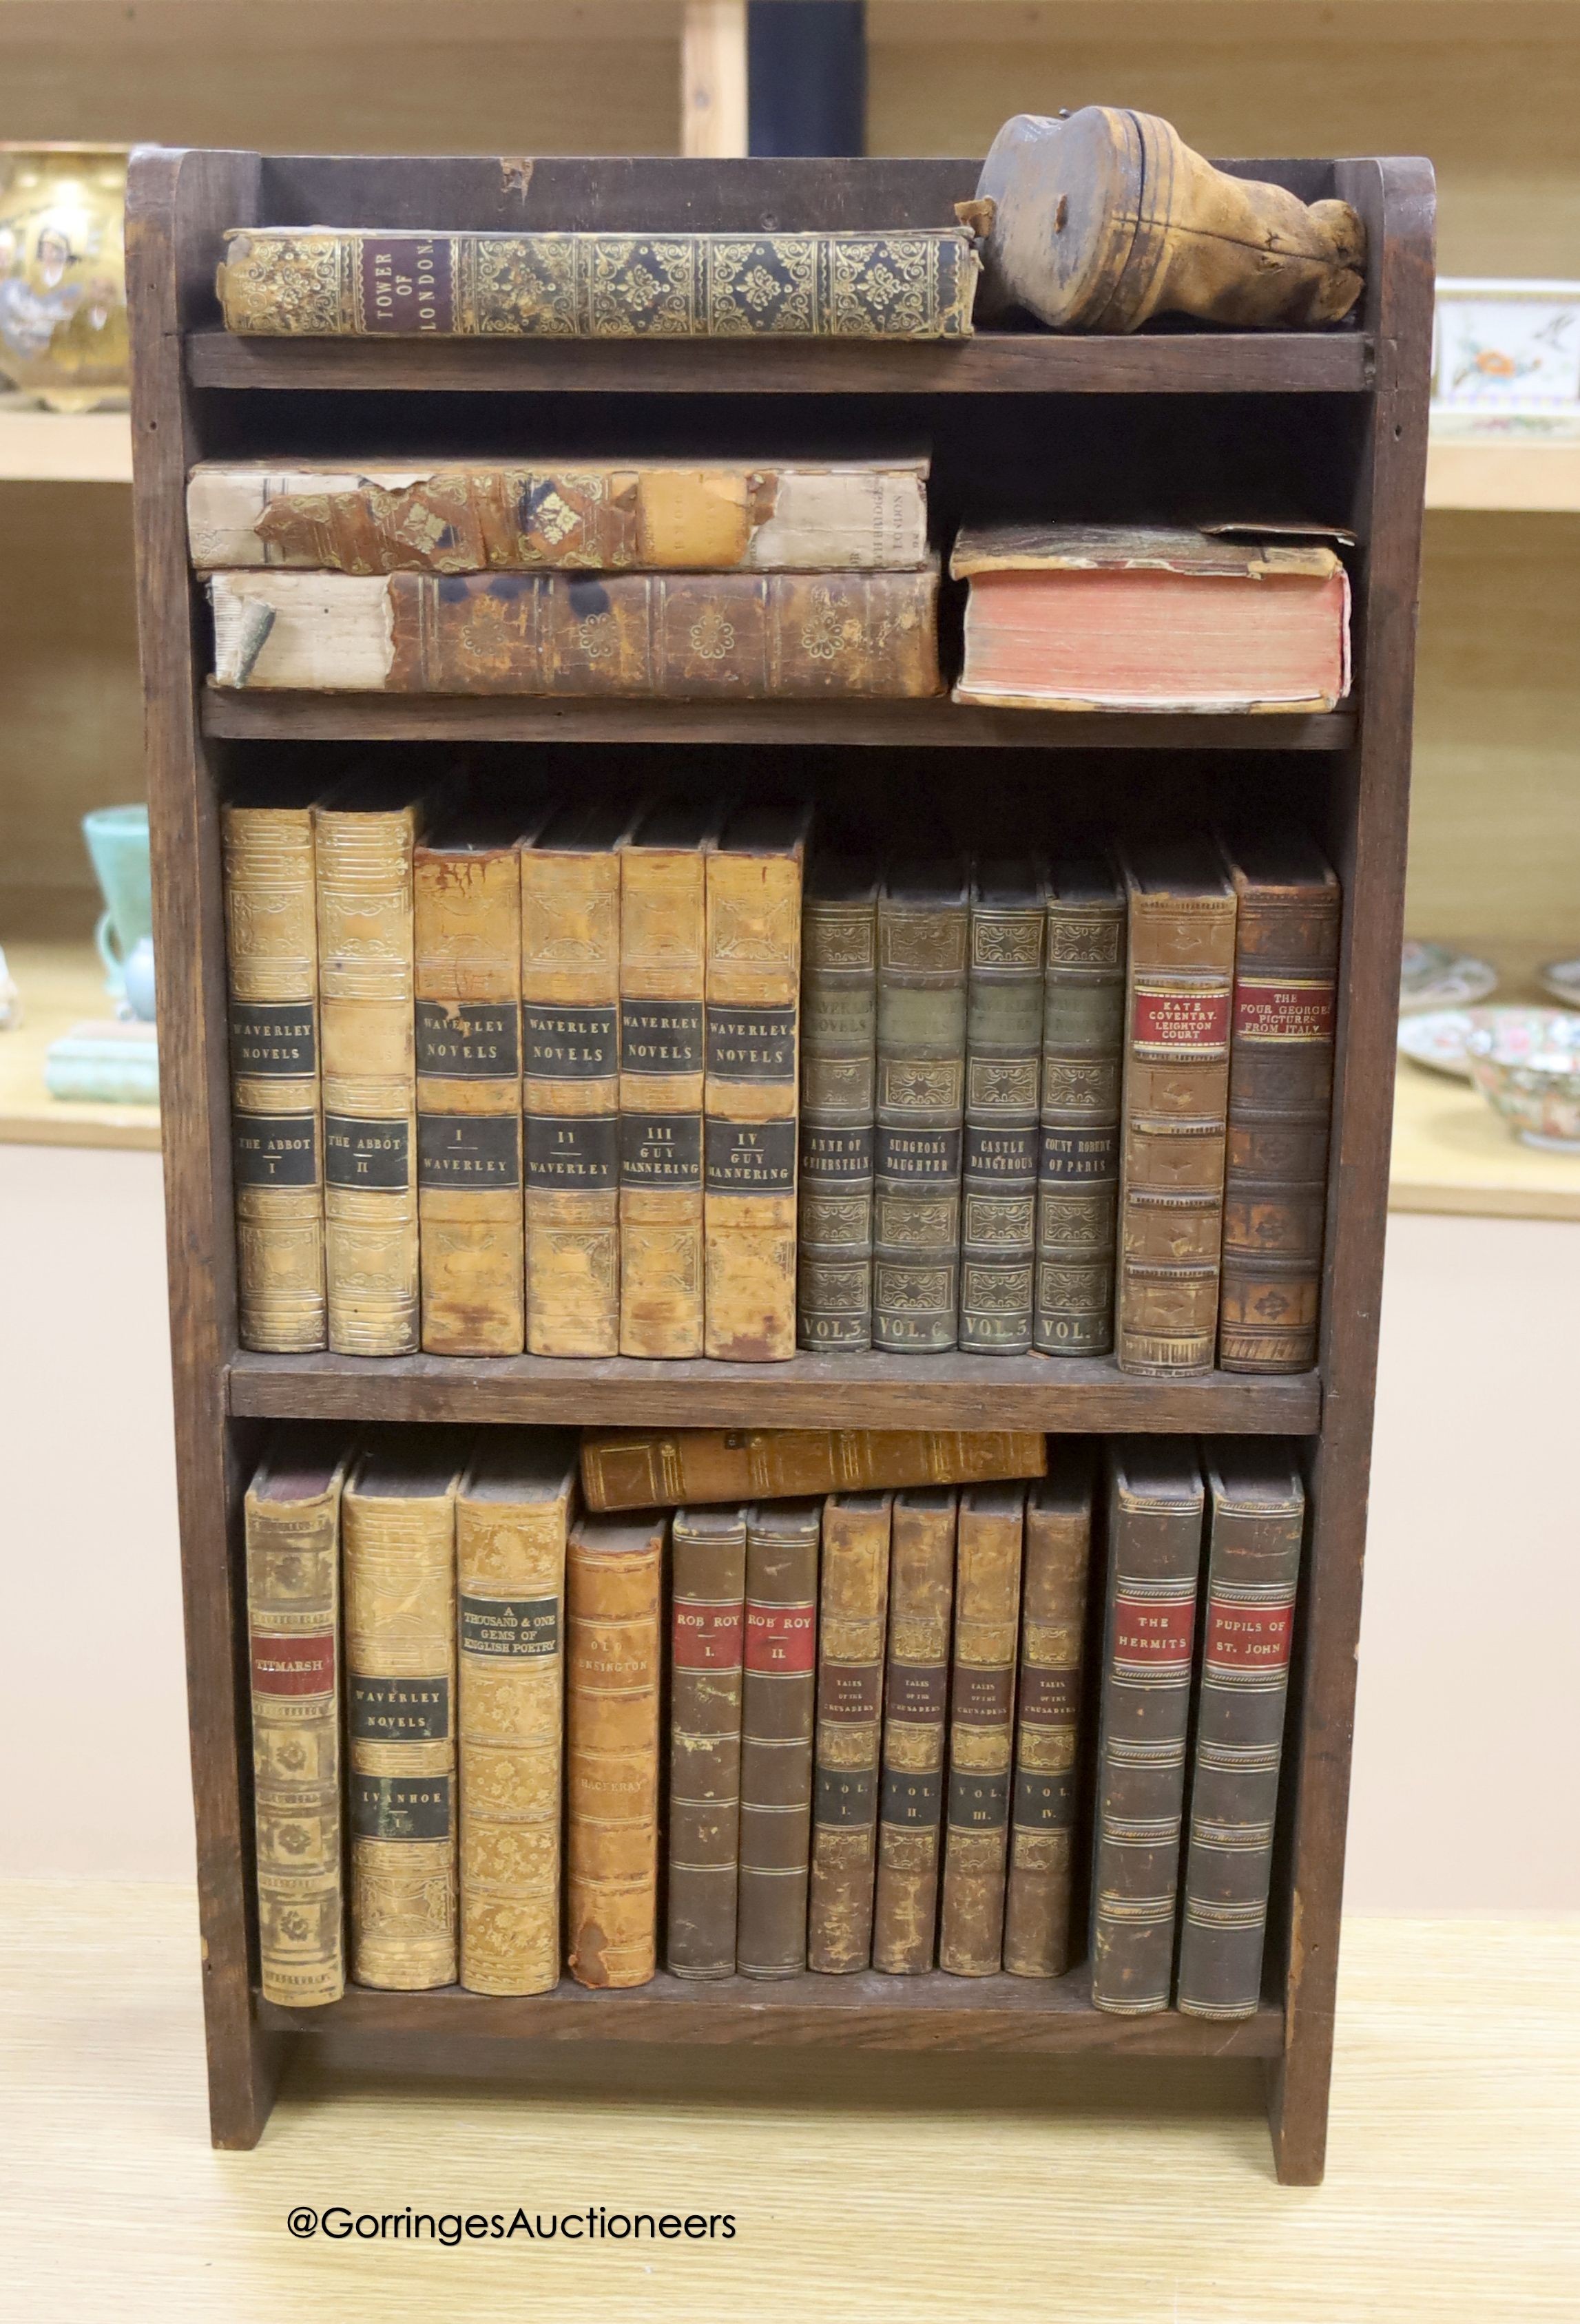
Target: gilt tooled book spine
x=916 y=1694
x=1083 y=1050
x=1154 y=1560
x=1003 y=1077
x=294 y=1618
x=1175 y=1106
x=840 y=1024
x=981 y=1733
x=513 y=1513
x=570 y=1058
x=613 y=1589
x=852 y=1629
x=271 y=949
x=1047 y=1715
x=593 y=516
x=922 y=932
x=324 y=282
x=398 y=1516
x=467 y=922
x=1257 y=1508
x=671 y=637
x=752 y=1014
x=649 y=1468
x=1281 y=1094
x=707 y=1594
x=778 y=1700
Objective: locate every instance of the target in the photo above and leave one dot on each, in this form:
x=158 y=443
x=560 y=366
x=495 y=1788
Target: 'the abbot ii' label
x=366 y=1153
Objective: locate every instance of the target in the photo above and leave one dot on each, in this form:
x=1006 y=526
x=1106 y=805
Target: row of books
x=880 y=1715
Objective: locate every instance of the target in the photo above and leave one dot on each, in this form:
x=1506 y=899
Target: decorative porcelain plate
x=1561 y=978
x=1436 y=1038
x=1434 y=976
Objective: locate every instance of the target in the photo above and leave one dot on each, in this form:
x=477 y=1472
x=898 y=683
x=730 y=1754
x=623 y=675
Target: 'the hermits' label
x=293 y=1665
x=707 y=1637
x=1249 y=1638
x=1155 y=1632
x=1177 y=1017
x=782 y=1639
x=1288 y=1009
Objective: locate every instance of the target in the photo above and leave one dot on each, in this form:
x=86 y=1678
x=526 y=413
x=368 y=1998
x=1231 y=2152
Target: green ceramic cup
x=117 y=847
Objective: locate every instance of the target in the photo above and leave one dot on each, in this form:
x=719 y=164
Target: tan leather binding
x=1048 y=1714
x=613 y=1589
x=708 y=1632
x=853 y=1621
x=915 y=1692
x=982 y=1700
x=650 y=1468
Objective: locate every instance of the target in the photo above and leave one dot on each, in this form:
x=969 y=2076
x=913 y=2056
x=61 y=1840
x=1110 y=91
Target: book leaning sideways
x=334 y=281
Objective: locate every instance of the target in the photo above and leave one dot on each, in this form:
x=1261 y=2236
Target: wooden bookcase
x=1334 y=424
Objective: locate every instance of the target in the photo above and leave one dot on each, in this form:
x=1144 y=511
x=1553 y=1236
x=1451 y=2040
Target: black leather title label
x=661 y=1037
x=992 y=1154
x=275 y=1149
x=523 y=1630
x=372 y=1154
x=273 y=1040
x=400 y=1807
x=845 y=1795
x=911 y=1800
x=571 y=1154
x=569 y=1045
x=1074 y=1158
x=476 y=1153
x=978 y=1803
x=836 y=1157
x=660 y=1149
x=918 y=1157
x=400 y=1709
x=756 y=1158
x=1044 y=1802
x=468 y=1041
x=751 y=1044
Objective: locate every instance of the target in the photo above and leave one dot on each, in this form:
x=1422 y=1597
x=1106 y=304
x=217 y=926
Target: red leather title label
x=782 y=1638
x=707 y=1637
x=1165 y=1017
x=1153 y=1629
x=293 y=1665
x=1249 y=1638
x=1283 y=1008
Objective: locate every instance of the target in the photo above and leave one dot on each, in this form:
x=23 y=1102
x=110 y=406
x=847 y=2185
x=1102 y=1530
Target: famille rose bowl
x=1525 y=1063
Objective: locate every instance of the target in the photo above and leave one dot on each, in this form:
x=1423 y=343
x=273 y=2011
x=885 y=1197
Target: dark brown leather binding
x=1258 y=1506
x=981 y=1712
x=839 y=1017
x=1083 y=1052
x=707 y=1550
x=1048 y=1714
x=651 y=1467
x=776 y=1737
x=916 y=1687
x=852 y=1621
x=1154 y=1563
x=614 y=1581
x=1281 y=1092
x=922 y=930
x=1003 y=1076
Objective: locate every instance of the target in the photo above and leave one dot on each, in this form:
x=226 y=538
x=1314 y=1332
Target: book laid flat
x=398 y=1525
x=613 y=1590
x=644 y=1469
x=982 y=1731
x=513 y=1512
x=915 y=1692
x=570 y=1086
x=896 y=282
x=1047 y=1715
x=1083 y=1049
x=1154 y=1559
x=292 y=1521
x=1151 y=617
x=1281 y=1094
x=467 y=939
x=776 y=1737
x=707 y=1618
x=663 y=970
x=671 y=637
x=1257 y=1511
x=922 y=934
x=1003 y=1076
x=752 y=1046
x=272 y=956
x=853 y=1610
x=840 y=1024
x=1174 y=1101
x=592 y=516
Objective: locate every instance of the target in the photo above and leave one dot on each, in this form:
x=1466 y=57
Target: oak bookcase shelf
x=1338 y=418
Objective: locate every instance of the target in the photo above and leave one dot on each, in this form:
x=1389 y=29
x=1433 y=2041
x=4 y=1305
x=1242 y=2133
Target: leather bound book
x=293 y=1625
x=1083 y=1050
x=588 y=516
x=663 y=952
x=853 y=1617
x=776 y=1737
x=981 y=1733
x=1154 y=1563
x=648 y=1468
x=614 y=1593
x=1281 y=1094
x=707 y=1618
x=916 y=1694
x=397 y=1522
x=1257 y=1515
x=570 y=1063
x=667 y=637
x=328 y=281
x=272 y=953
x=1003 y=1075
x=749 y=1100
x=466 y=921
x=922 y=930
x=513 y=1513
x=1048 y=1714
x=840 y=1024
x=1176 y=1097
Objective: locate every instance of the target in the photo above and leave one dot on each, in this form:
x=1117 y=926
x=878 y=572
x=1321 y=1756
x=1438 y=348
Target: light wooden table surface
x=61 y=984
x=905 y=2190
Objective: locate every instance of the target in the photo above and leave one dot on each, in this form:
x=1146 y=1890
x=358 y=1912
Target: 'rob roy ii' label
x=275 y=1149
x=568 y=1044
x=273 y=1040
x=456 y=1043
x=368 y=1154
